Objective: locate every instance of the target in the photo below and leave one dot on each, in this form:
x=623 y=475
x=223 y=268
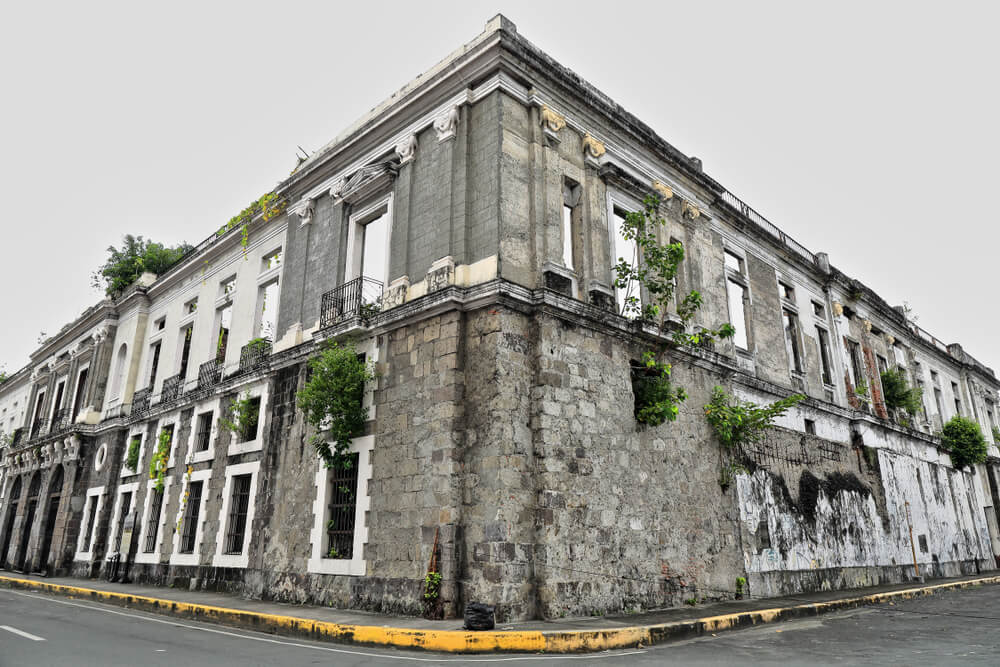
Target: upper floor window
x=824 y=355
x=267 y=310
x=272 y=260
x=818 y=309
x=794 y=349
x=223 y=321
x=191 y=306
x=368 y=242
x=787 y=291
x=227 y=288
x=738 y=292
x=624 y=250
x=958 y=398
x=570 y=213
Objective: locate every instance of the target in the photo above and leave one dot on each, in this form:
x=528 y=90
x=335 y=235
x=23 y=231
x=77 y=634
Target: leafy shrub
x=656 y=399
x=137 y=255
x=739 y=423
x=898 y=394
x=132 y=456
x=242 y=418
x=964 y=442
x=332 y=401
x=158 y=462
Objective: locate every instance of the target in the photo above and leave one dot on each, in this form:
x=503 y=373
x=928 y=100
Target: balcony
x=140 y=403
x=254 y=355
x=38 y=427
x=358 y=300
x=210 y=374
x=171 y=389
x=118 y=411
x=62 y=420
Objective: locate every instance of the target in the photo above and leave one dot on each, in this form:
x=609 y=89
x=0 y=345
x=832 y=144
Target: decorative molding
x=306 y=211
x=364 y=181
x=689 y=210
x=406 y=149
x=663 y=190
x=446 y=125
x=890 y=339
x=395 y=293
x=868 y=325
x=337 y=188
x=592 y=147
x=838 y=309
x=441 y=274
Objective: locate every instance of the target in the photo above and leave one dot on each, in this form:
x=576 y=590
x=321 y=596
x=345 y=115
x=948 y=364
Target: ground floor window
x=342 y=510
x=153 y=520
x=239 y=503
x=191 y=515
x=87 y=530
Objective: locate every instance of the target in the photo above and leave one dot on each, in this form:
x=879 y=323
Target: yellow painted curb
x=458 y=641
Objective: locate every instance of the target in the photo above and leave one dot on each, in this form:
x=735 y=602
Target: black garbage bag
x=478 y=616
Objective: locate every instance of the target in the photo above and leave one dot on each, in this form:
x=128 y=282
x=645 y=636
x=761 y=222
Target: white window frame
x=356 y=225
x=259 y=390
x=743 y=279
x=153 y=556
x=174 y=419
x=55 y=392
x=356 y=566
x=193 y=558
x=97 y=493
x=76 y=388
x=258 y=316
x=120 y=492
x=212 y=406
x=241 y=559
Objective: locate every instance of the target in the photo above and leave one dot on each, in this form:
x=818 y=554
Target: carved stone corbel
x=406 y=149
x=395 y=293
x=592 y=151
x=552 y=122
x=663 y=190
x=690 y=211
x=306 y=212
x=336 y=190
x=446 y=125
x=838 y=309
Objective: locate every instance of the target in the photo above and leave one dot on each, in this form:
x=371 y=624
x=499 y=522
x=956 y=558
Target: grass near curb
x=459 y=641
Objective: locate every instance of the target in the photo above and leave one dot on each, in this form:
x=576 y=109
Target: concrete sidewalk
x=555 y=636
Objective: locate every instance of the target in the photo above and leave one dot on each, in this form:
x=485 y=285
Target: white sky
x=866 y=130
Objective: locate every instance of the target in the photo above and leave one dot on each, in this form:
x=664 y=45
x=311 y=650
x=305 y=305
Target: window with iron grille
x=342 y=507
x=237 y=521
x=126 y=505
x=89 y=528
x=203 y=435
x=153 y=524
x=191 y=515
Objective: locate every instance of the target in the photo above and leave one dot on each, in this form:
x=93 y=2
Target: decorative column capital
x=446 y=125
x=406 y=149
x=306 y=211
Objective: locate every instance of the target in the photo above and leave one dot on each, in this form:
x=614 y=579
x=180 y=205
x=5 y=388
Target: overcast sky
x=865 y=130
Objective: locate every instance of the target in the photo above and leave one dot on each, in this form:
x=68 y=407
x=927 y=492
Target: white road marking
x=466 y=660
x=26 y=635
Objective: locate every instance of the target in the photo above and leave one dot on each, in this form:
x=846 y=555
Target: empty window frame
x=810 y=426
x=57 y=404
x=737 y=290
x=271 y=260
x=958 y=398
x=786 y=291
x=342 y=510
x=624 y=250
x=267 y=310
x=192 y=514
x=824 y=355
x=251 y=426
x=191 y=306
x=857 y=365
x=80 y=393
x=227 y=288
x=819 y=310
x=570 y=213
x=223 y=322
x=154 y=363
x=369 y=243
x=883 y=364
x=185 y=355
x=236 y=522
x=792 y=345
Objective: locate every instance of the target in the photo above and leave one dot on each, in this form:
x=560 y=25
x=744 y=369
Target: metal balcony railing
x=38 y=427
x=210 y=373
x=140 y=403
x=171 y=389
x=254 y=355
x=360 y=299
x=62 y=420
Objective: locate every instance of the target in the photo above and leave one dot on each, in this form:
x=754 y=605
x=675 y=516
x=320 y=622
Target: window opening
x=237 y=521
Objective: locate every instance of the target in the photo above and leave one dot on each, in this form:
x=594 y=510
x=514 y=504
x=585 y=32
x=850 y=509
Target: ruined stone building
x=463 y=232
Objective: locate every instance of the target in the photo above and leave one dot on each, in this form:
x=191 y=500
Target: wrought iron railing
x=171 y=388
x=210 y=373
x=748 y=212
x=254 y=355
x=140 y=403
x=359 y=299
x=62 y=420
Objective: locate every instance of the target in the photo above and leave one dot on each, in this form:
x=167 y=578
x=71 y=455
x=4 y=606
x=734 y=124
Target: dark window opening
x=203 y=435
x=792 y=340
x=153 y=523
x=126 y=507
x=81 y=387
x=237 y=522
x=253 y=420
x=342 y=507
x=192 y=512
x=185 y=352
x=824 y=355
x=810 y=426
x=154 y=365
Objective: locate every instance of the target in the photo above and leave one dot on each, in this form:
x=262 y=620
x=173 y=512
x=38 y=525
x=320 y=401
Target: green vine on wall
x=268 y=206
x=184 y=498
x=160 y=458
x=654 y=268
x=332 y=401
x=242 y=418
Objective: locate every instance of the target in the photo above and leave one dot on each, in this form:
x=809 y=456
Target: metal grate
x=171 y=388
x=360 y=298
x=153 y=524
x=209 y=374
x=342 y=508
x=254 y=355
x=237 y=523
x=140 y=403
x=191 y=515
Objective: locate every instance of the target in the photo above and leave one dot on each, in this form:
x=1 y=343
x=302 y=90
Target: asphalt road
x=959 y=627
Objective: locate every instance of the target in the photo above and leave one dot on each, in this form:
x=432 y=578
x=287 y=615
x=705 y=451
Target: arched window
x=116 y=385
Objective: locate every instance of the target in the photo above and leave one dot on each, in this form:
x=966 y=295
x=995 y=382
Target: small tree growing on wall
x=898 y=394
x=964 y=442
x=332 y=400
x=137 y=255
x=653 y=268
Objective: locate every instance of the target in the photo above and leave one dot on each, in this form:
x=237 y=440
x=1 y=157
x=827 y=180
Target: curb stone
x=458 y=641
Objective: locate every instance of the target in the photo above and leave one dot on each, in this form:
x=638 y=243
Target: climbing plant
x=996 y=435
x=332 y=400
x=137 y=255
x=898 y=394
x=964 y=441
x=160 y=458
x=268 y=206
x=653 y=268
